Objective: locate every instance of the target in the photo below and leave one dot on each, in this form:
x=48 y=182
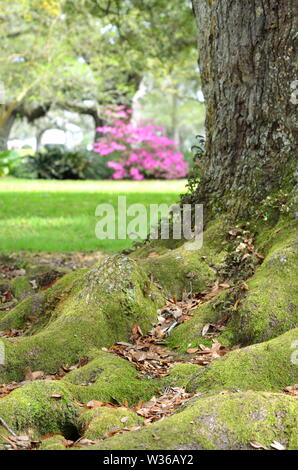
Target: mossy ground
x=189 y=334
x=109 y=378
x=34 y=410
x=97 y=423
x=270 y=307
x=266 y=366
x=97 y=309
x=87 y=310
x=219 y=422
x=4 y=435
x=56 y=442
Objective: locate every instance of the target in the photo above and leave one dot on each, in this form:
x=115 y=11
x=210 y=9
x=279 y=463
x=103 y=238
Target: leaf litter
x=149 y=355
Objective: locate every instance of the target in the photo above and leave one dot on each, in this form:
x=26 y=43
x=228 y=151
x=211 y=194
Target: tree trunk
x=247 y=64
x=98 y=122
x=175 y=121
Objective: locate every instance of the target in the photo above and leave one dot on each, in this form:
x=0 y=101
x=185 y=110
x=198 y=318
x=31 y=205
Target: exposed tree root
x=95 y=308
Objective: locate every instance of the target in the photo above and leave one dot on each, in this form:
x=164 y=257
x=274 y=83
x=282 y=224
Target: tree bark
x=9 y=113
x=5 y=129
x=247 y=64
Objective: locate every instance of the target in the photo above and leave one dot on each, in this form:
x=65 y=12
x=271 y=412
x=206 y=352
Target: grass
x=59 y=216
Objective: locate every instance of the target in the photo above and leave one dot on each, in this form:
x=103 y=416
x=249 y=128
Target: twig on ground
x=3 y=423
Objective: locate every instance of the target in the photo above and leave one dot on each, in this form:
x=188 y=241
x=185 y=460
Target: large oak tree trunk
x=247 y=63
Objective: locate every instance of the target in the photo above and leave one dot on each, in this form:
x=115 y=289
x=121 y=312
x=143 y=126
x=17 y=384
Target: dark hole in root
x=70 y=432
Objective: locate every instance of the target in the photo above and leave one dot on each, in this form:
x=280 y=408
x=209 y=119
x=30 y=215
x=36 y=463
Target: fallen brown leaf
x=94 y=404
x=192 y=350
x=258 y=445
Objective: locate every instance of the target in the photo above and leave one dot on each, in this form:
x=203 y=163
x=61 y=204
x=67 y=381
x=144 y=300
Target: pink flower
x=136 y=175
x=142 y=150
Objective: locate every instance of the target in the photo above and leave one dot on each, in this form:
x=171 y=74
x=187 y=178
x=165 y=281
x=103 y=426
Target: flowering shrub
x=140 y=151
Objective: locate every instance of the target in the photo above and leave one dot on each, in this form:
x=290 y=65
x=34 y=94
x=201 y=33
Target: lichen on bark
x=251 y=123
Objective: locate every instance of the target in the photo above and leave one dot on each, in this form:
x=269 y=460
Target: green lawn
x=59 y=216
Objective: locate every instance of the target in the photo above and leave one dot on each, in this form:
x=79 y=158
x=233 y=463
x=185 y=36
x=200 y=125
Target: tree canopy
x=83 y=55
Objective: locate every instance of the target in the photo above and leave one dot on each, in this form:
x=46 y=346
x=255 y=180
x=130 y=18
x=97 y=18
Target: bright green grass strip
x=59 y=216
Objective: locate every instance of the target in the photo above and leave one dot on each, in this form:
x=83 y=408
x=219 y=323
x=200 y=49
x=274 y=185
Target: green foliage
x=58 y=163
x=275 y=204
x=195 y=173
x=91 y=52
x=9 y=162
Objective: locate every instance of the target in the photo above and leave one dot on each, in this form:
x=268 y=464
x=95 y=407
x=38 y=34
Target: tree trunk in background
x=175 y=119
x=247 y=64
x=98 y=122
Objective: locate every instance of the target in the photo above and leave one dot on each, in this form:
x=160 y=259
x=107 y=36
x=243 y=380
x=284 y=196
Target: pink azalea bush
x=140 y=151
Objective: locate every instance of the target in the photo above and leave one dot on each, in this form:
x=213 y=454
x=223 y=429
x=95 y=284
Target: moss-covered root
x=41 y=276
x=4 y=435
x=21 y=287
x=219 y=422
x=99 y=310
x=189 y=334
x=180 y=270
x=37 y=308
x=56 y=442
x=108 y=378
x=97 y=423
x=40 y=408
x=271 y=304
x=266 y=366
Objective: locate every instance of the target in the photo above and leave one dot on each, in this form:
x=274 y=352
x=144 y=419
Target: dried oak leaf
x=94 y=404
x=258 y=445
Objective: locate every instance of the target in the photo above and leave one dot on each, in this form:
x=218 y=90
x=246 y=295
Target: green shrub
x=10 y=160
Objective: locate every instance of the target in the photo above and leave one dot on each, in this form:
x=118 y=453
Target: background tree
x=32 y=50
x=111 y=47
